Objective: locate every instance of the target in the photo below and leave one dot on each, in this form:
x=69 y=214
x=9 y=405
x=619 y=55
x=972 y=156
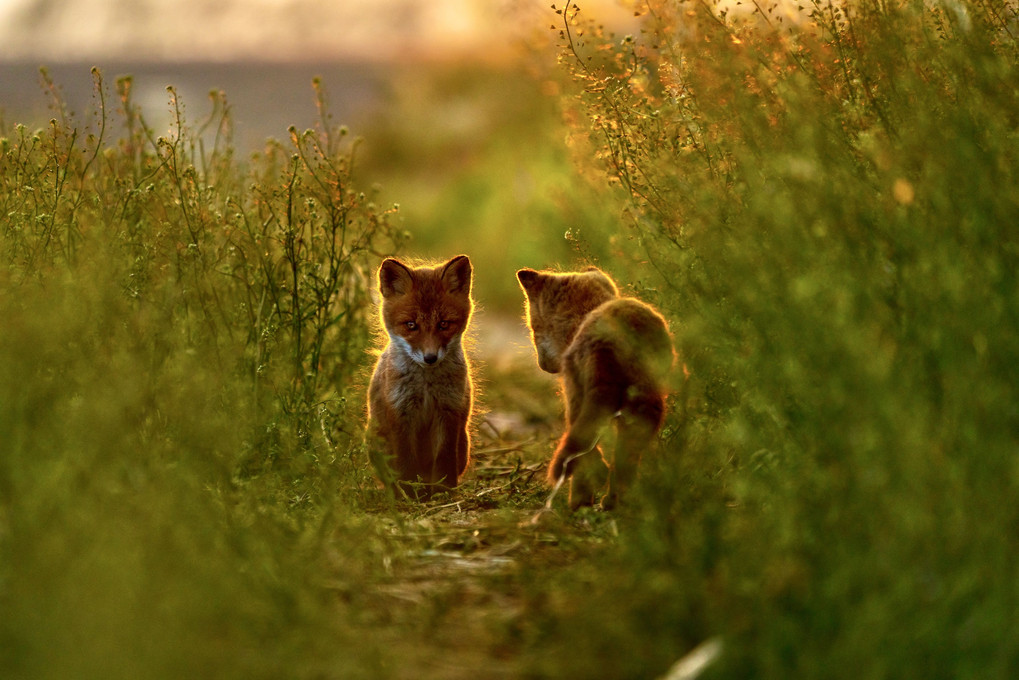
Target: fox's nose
x=431 y=358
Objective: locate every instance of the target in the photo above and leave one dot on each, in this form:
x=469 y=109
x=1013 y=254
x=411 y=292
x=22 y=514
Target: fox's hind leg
x=578 y=455
x=463 y=449
x=588 y=479
x=587 y=413
x=637 y=424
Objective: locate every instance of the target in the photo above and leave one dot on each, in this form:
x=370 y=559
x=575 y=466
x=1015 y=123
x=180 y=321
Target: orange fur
x=614 y=354
x=421 y=393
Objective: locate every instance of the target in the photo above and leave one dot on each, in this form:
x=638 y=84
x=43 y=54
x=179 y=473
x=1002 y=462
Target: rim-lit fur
x=614 y=354
x=421 y=393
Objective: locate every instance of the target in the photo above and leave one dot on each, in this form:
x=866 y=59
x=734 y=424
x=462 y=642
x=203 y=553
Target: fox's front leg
x=380 y=456
x=453 y=452
x=394 y=453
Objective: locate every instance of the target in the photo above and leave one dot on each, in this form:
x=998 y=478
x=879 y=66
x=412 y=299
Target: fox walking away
x=421 y=393
x=614 y=354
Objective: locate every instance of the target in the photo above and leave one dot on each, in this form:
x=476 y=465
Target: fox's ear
x=530 y=280
x=394 y=278
x=456 y=275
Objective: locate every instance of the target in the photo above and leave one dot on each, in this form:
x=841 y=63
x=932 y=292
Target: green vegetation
x=823 y=204
x=827 y=212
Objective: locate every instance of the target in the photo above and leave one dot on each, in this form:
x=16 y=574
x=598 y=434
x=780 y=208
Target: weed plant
x=181 y=333
x=823 y=200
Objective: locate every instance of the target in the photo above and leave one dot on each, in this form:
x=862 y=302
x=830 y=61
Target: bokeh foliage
x=181 y=333
x=823 y=201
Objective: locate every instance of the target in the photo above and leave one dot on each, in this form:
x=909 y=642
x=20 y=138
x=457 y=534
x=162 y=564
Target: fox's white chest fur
x=417 y=389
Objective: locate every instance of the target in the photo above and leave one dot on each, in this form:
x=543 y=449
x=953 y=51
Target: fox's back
x=629 y=335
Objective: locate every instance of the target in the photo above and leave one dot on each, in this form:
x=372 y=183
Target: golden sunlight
x=272 y=30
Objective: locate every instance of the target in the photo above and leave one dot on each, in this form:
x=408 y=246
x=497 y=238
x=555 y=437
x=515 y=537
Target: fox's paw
x=610 y=501
x=584 y=490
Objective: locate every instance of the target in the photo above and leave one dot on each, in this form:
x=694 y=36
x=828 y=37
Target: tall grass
x=180 y=334
x=824 y=204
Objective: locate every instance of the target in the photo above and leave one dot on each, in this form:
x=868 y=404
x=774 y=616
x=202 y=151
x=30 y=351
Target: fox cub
x=421 y=395
x=614 y=354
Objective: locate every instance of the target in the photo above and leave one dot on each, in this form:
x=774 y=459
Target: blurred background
x=450 y=99
x=262 y=53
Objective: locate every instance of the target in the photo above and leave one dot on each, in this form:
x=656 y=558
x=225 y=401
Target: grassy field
x=824 y=208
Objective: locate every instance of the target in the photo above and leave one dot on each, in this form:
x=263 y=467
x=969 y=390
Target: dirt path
x=457 y=590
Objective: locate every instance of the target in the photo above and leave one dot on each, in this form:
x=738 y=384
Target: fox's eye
x=411 y=325
x=444 y=325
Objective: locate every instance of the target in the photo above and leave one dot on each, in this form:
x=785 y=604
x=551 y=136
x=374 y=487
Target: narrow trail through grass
x=458 y=586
